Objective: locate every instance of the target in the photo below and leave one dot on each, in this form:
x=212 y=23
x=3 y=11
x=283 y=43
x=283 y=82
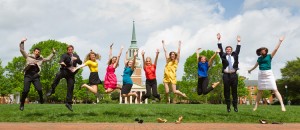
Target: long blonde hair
x=97 y=56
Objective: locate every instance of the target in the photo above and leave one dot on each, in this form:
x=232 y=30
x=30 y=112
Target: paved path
x=146 y=126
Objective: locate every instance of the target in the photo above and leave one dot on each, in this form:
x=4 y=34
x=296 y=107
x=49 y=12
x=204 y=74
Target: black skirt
x=126 y=88
x=94 y=79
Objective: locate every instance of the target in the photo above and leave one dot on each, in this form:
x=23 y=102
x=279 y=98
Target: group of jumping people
x=70 y=63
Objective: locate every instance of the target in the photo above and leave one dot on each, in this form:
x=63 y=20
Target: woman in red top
x=150 y=72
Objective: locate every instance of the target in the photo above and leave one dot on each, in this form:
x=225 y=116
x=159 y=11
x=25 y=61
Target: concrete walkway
x=146 y=126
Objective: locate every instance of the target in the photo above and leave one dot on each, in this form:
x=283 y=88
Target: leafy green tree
x=190 y=79
x=15 y=74
x=242 y=89
x=290 y=77
x=4 y=82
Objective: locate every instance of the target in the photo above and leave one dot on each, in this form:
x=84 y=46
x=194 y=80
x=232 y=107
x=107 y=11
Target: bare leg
x=92 y=88
x=277 y=94
x=109 y=90
x=258 y=97
x=177 y=91
x=167 y=92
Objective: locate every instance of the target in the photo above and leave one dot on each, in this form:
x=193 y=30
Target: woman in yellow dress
x=172 y=61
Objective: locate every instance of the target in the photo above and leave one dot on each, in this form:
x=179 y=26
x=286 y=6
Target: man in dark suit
x=230 y=61
x=68 y=62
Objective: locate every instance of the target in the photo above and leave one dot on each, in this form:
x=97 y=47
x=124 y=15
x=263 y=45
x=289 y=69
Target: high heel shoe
x=159 y=120
x=179 y=120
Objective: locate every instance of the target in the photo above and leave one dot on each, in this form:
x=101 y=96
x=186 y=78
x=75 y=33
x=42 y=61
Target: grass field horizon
x=126 y=113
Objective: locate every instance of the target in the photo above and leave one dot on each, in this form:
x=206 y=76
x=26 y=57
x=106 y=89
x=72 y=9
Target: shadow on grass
x=90 y=114
x=68 y=114
x=34 y=114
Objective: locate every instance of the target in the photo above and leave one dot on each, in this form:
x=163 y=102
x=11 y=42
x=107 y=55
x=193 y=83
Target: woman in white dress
x=266 y=80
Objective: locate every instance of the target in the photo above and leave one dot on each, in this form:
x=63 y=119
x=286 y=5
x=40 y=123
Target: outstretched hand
x=143 y=52
x=24 y=39
x=63 y=64
x=135 y=53
x=157 y=50
x=111 y=45
x=249 y=71
x=281 y=38
x=238 y=38
x=218 y=36
x=198 y=49
x=218 y=51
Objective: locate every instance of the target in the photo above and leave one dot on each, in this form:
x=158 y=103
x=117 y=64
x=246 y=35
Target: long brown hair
x=110 y=61
x=97 y=56
x=169 y=59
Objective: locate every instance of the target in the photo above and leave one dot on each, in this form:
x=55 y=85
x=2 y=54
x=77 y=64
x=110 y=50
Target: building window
x=252 y=87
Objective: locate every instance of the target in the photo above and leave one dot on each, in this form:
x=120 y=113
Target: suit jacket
x=235 y=55
x=31 y=59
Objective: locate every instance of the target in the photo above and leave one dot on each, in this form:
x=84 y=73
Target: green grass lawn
x=148 y=112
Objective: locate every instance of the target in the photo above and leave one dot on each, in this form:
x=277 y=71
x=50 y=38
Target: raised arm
x=156 y=57
x=126 y=57
x=256 y=64
x=118 y=58
x=143 y=56
x=110 y=51
x=197 y=53
x=178 y=52
x=50 y=56
x=212 y=58
x=238 y=46
x=22 y=50
x=220 y=44
x=134 y=58
x=277 y=47
x=166 y=55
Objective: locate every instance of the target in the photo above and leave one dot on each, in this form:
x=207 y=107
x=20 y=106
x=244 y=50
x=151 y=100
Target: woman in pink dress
x=110 y=80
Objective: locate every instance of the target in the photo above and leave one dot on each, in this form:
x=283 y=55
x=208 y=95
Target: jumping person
x=230 y=61
x=150 y=72
x=128 y=71
x=94 y=80
x=266 y=80
x=68 y=62
x=110 y=80
x=172 y=61
x=32 y=70
x=203 y=66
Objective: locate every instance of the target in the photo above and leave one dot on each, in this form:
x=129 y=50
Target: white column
x=125 y=100
x=141 y=94
x=130 y=99
x=135 y=101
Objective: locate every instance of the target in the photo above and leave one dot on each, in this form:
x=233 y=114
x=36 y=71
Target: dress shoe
x=69 y=106
x=140 y=121
x=236 y=109
x=228 y=109
x=51 y=91
x=21 y=107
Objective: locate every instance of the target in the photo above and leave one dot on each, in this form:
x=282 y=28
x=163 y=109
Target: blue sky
x=97 y=23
